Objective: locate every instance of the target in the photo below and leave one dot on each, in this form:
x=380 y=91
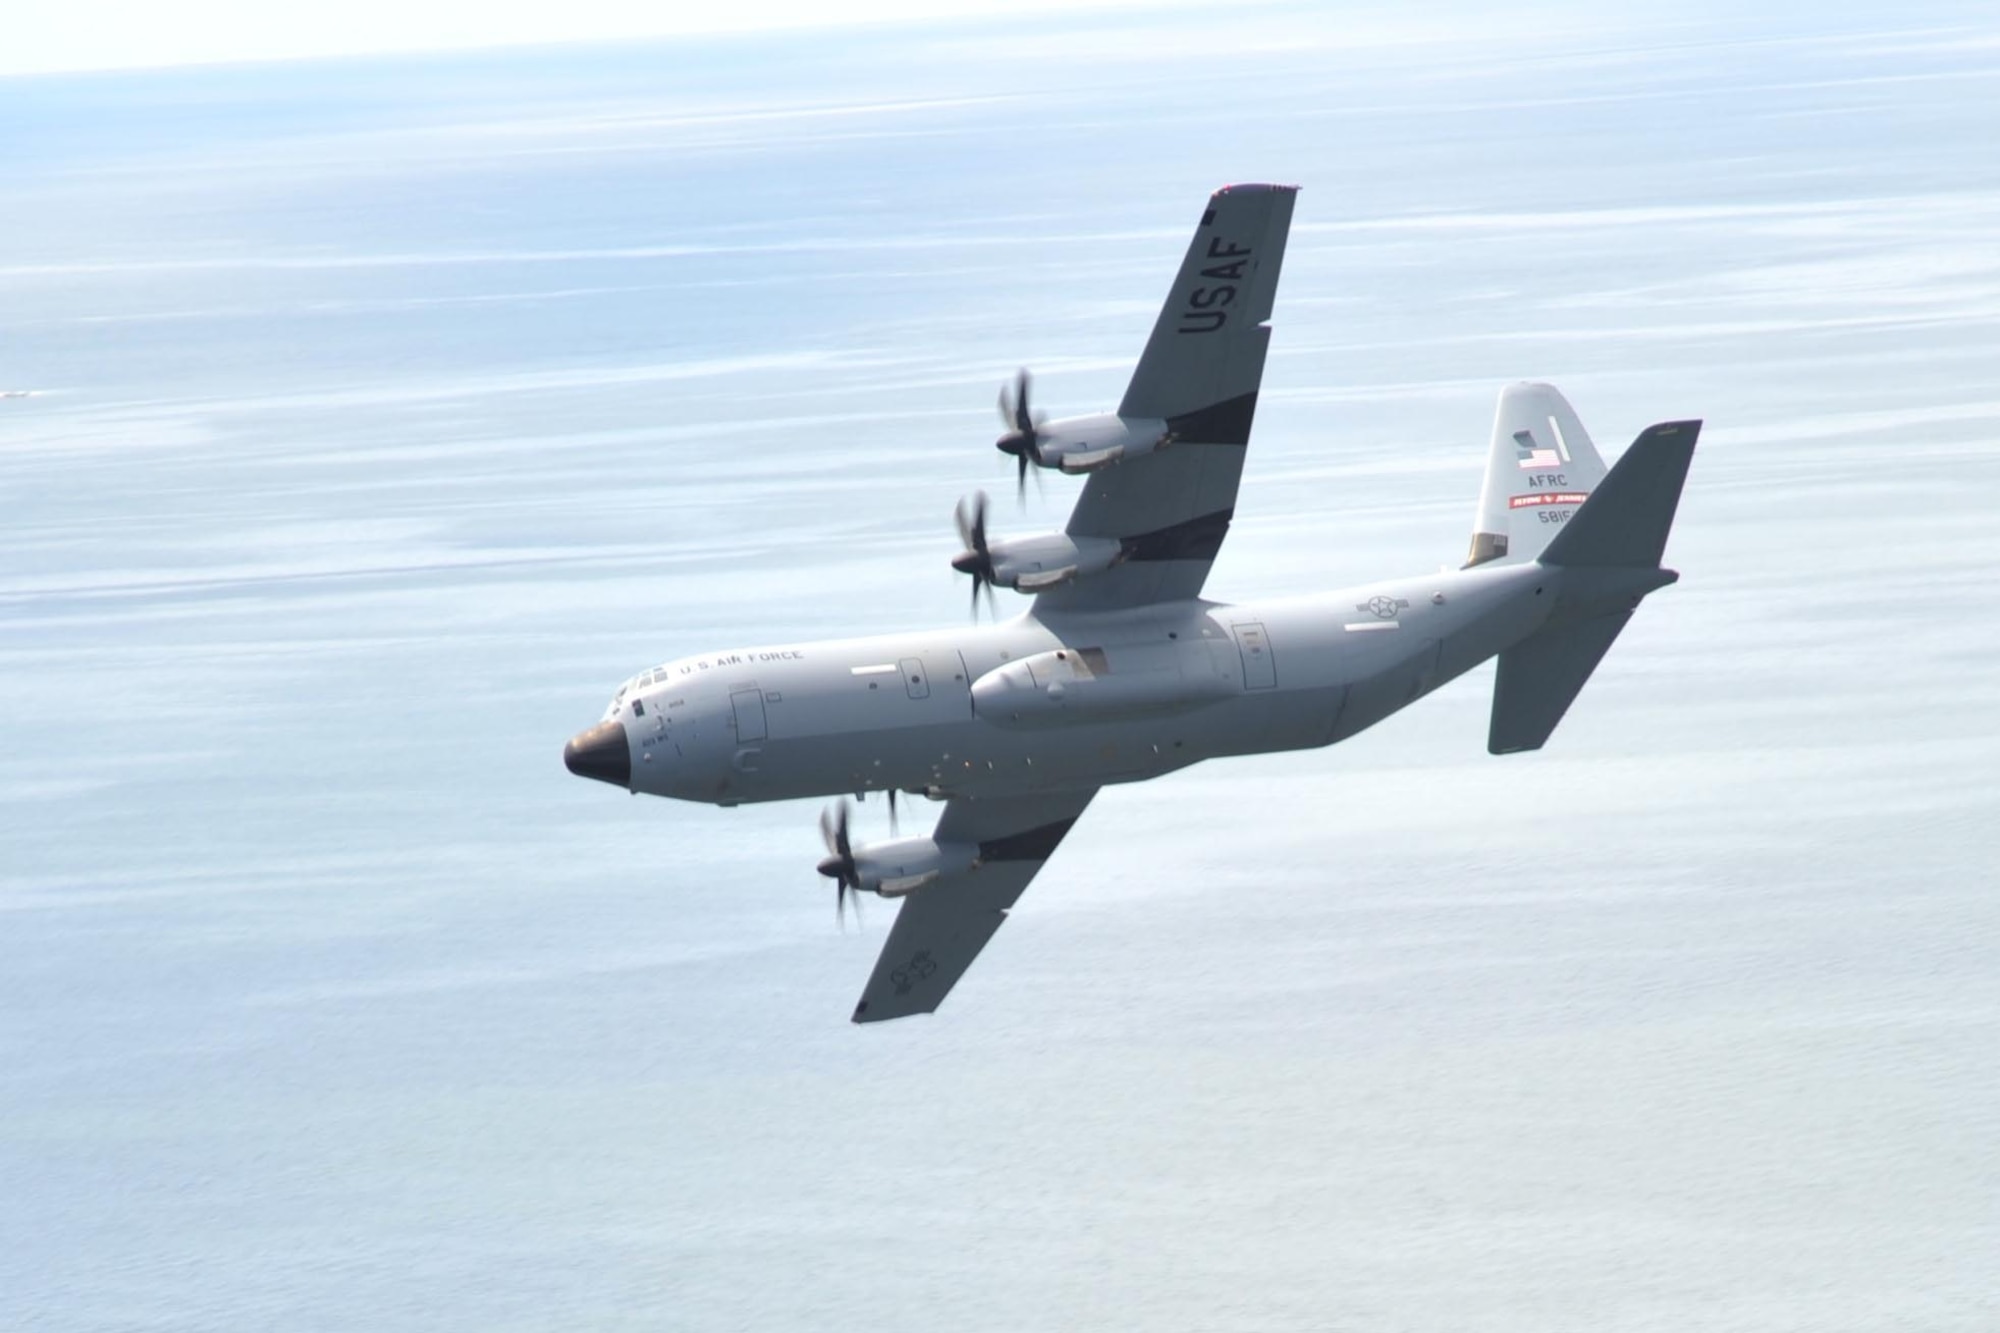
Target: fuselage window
x=638 y=708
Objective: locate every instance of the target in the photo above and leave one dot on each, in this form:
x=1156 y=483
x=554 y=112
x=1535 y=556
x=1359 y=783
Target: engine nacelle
x=1071 y=685
x=904 y=865
x=1085 y=444
x=1032 y=564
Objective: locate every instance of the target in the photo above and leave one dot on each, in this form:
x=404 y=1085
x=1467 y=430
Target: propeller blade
x=966 y=531
x=977 y=559
x=894 y=828
x=839 y=865
x=1021 y=478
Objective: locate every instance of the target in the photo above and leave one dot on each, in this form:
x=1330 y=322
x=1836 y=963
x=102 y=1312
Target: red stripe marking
x=1548 y=498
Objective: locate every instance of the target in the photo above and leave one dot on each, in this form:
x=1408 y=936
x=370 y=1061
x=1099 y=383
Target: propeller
x=838 y=864
x=977 y=558
x=1024 y=436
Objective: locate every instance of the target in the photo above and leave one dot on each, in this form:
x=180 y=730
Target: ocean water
x=384 y=415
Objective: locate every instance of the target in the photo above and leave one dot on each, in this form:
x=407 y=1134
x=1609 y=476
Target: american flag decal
x=1528 y=454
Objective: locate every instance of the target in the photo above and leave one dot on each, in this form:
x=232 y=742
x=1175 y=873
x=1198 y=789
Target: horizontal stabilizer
x=1625 y=521
x=1540 y=677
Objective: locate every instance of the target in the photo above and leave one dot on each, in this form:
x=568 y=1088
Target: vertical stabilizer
x=1540 y=467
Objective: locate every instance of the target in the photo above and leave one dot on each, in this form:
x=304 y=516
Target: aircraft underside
x=1120 y=671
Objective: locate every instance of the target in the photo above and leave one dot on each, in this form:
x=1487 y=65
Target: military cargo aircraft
x=1120 y=670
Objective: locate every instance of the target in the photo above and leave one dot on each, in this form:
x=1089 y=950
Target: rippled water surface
x=385 y=415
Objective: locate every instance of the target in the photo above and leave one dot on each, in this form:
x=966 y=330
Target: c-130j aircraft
x=1121 y=670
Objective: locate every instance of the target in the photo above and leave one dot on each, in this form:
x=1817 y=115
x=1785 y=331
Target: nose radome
x=602 y=753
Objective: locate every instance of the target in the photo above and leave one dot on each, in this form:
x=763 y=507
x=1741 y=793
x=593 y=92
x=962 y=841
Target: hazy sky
x=114 y=34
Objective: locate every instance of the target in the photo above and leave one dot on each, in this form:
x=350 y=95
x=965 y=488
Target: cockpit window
x=630 y=689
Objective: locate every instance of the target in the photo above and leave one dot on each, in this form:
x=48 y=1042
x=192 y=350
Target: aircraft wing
x=942 y=927
x=1200 y=374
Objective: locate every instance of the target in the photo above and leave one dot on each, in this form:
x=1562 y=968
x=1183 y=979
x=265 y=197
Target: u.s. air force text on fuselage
x=1120 y=670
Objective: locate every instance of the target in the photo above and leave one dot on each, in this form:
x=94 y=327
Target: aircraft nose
x=602 y=753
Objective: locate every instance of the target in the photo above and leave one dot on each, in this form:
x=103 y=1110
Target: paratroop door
x=1260 y=670
x=749 y=707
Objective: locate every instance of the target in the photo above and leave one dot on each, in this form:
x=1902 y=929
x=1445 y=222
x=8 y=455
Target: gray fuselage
x=1049 y=702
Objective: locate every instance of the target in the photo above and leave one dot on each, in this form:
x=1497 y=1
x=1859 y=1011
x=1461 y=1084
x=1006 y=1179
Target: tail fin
x=1606 y=560
x=1625 y=524
x=1540 y=467
x=1207 y=348
x=1541 y=676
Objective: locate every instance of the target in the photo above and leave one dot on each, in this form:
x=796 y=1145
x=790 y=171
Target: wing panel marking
x=1035 y=844
x=1199 y=538
x=1226 y=422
